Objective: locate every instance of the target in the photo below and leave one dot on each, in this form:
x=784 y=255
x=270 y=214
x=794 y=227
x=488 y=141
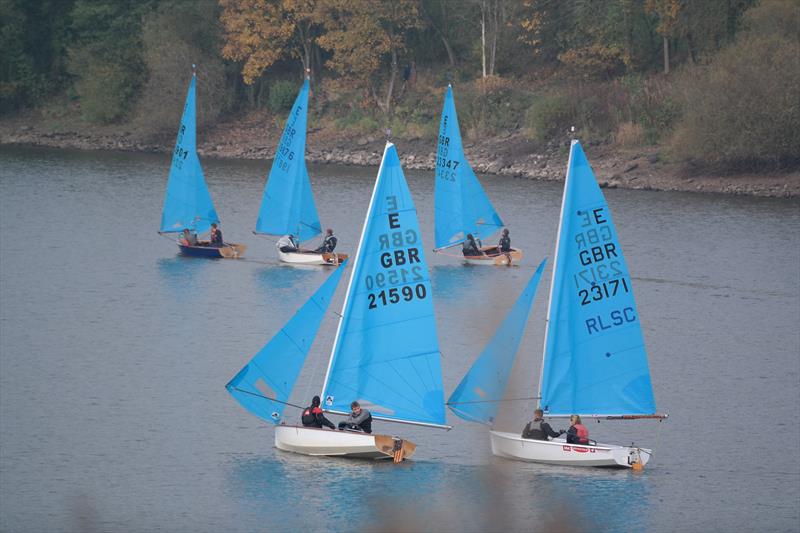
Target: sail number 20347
x=399 y=263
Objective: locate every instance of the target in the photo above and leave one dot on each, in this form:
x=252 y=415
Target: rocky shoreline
x=511 y=155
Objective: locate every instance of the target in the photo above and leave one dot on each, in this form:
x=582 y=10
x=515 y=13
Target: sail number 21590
x=400 y=274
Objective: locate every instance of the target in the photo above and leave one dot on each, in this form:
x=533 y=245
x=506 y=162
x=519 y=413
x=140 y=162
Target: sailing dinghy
x=188 y=204
x=594 y=362
x=386 y=351
x=287 y=205
x=461 y=205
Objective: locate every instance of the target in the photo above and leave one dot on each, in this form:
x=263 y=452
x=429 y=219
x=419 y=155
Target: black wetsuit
x=328 y=245
x=313 y=417
x=505 y=244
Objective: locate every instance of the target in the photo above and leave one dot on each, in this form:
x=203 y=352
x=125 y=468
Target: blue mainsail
x=386 y=353
x=287 y=206
x=187 y=204
x=271 y=374
x=477 y=397
x=461 y=204
x=595 y=361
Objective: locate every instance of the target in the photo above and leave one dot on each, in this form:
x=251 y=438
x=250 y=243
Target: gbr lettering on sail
x=601 y=275
x=400 y=277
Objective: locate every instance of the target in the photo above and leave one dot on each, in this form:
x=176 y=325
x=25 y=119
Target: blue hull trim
x=200 y=251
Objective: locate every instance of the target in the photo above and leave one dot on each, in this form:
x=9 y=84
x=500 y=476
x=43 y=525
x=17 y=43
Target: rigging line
x=496 y=401
x=265 y=236
x=266 y=397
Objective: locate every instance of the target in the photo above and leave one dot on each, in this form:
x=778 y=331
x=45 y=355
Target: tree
x=33 y=38
x=105 y=57
x=175 y=36
x=742 y=111
x=492 y=21
x=669 y=15
x=366 y=39
x=261 y=32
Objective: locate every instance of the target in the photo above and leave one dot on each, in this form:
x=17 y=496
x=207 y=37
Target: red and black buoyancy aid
x=309 y=416
x=582 y=433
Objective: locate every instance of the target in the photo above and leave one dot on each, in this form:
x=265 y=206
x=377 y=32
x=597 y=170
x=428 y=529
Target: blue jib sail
x=462 y=206
x=287 y=206
x=271 y=374
x=477 y=398
x=386 y=353
x=187 y=204
x=595 y=361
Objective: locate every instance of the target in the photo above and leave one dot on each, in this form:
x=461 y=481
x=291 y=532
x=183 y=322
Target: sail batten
x=187 y=203
x=477 y=396
x=461 y=204
x=264 y=385
x=595 y=360
x=287 y=205
x=386 y=352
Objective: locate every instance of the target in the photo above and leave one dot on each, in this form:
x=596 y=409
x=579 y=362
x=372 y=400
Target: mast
x=555 y=269
x=352 y=275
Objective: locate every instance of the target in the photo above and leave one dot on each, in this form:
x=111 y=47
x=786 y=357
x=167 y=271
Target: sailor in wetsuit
x=505 y=242
x=312 y=416
x=328 y=244
x=538 y=429
x=359 y=419
x=216 y=236
x=470 y=246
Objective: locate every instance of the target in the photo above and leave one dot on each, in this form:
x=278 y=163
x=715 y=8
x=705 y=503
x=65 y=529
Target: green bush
x=743 y=110
x=359 y=121
x=549 y=115
x=281 y=95
x=106 y=89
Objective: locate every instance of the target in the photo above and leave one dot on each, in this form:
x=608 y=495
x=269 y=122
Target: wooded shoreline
x=511 y=155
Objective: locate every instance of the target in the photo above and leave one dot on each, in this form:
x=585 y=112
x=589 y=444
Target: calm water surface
x=114 y=353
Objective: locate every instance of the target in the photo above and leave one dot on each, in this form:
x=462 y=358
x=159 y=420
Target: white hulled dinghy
x=187 y=203
x=287 y=205
x=386 y=351
x=594 y=362
x=461 y=205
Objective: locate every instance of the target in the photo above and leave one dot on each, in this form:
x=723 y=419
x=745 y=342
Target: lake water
x=114 y=353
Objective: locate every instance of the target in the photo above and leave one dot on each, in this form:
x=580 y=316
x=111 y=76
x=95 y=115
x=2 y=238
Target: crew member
x=359 y=419
x=287 y=244
x=505 y=242
x=538 y=429
x=216 y=236
x=577 y=432
x=328 y=243
x=313 y=417
x=470 y=247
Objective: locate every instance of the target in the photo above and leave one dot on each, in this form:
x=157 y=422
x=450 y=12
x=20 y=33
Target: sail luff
x=345 y=304
x=386 y=353
x=263 y=386
x=555 y=270
x=287 y=204
x=461 y=204
x=478 y=394
x=187 y=201
x=595 y=361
